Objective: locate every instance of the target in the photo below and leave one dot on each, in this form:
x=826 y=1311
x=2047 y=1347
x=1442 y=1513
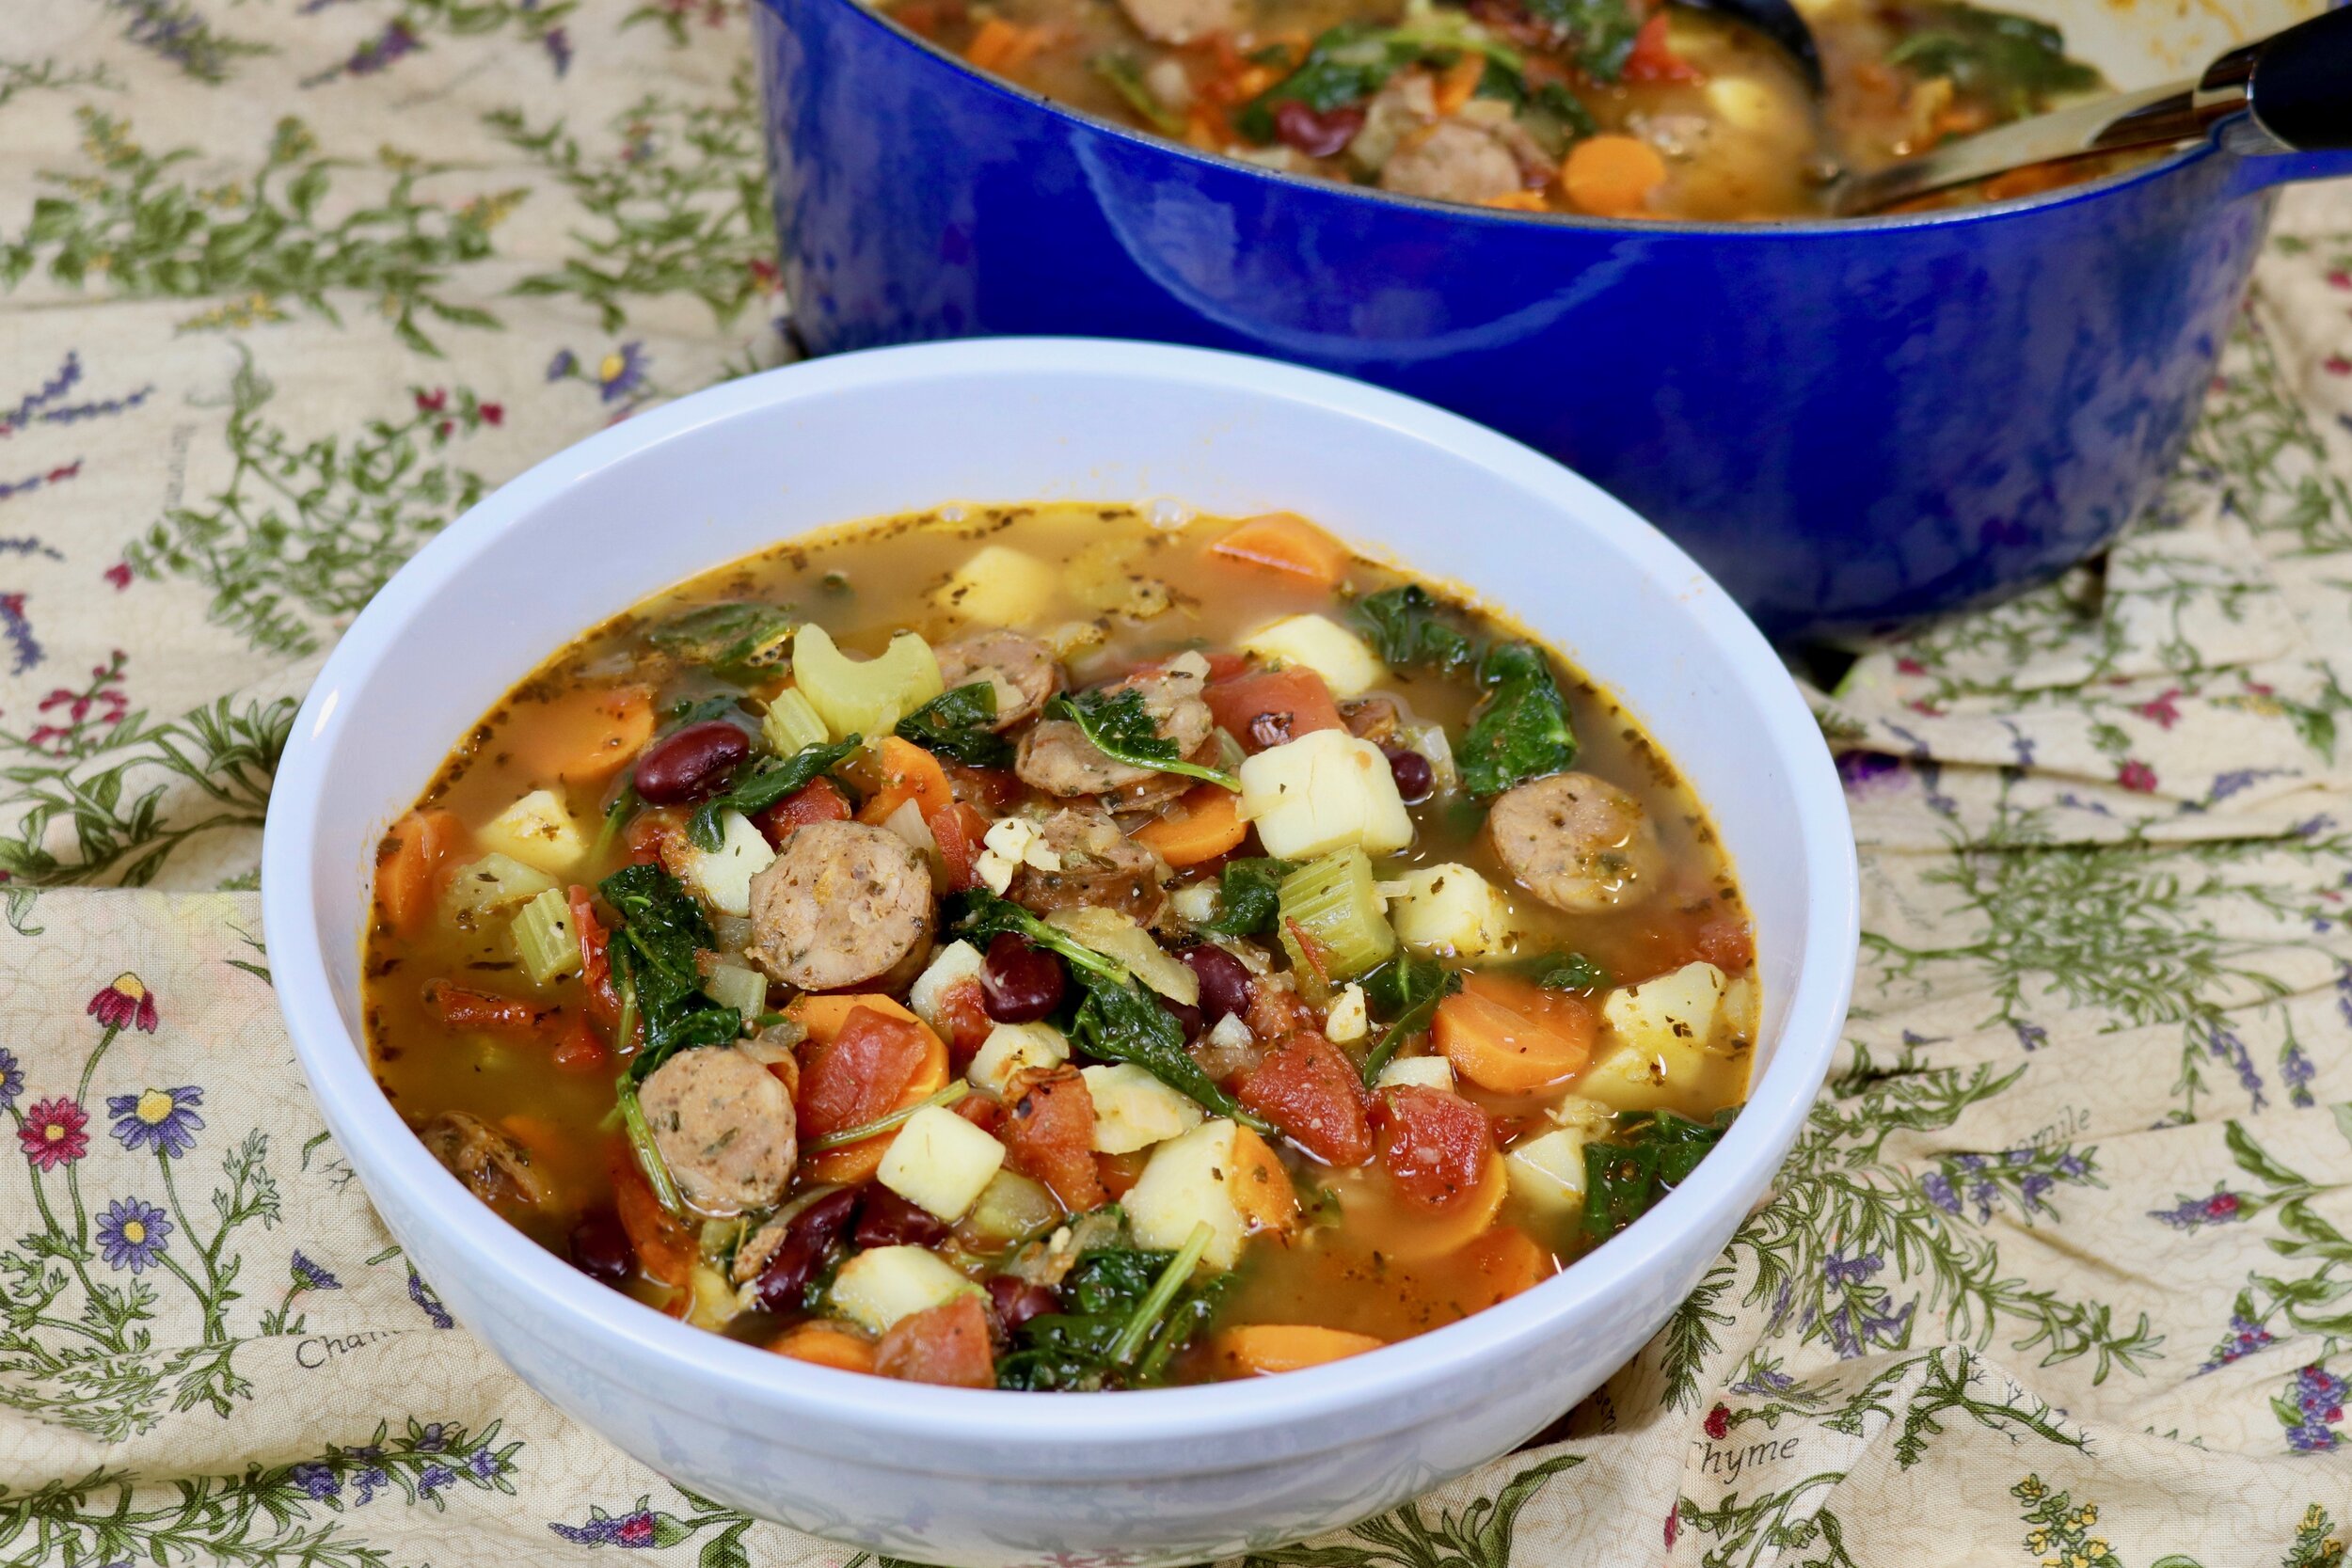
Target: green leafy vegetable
x=986 y=915
x=738 y=638
x=1520 y=731
x=848 y=1136
x=959 y=725
x=2013 y=62
x=1570 y=972
x=1125 y=78
x=1404 y=991
x=1249 y=896
x=1120 y=727
x=616 y=817
x=1348 y=63
x=1648 y=1155
x=760 y=782
x=694 y=710
x=1408 y=628
x=1126 y=1314
x=1599 y=31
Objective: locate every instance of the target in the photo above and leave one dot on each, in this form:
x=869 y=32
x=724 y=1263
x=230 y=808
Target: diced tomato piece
x=665 y=1248
x=945 y=1344
x=1276 y=1009
x=1724 y=941
x=819 y=800
x=595 y=956
x=981 y=1112
x=1266 y=707
x=1435 y=1144
x=1050 y=1135
x=650 y=832
x=859 y=1075
x=463 y=1008
x=963 y=1014
x=1696 y=931
x=1308 y=1087
x=578 y=1046
x=1224 y=667
x=1653 y=59
x=957 y=830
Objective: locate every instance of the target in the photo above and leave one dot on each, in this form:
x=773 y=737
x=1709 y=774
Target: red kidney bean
x=1184 y=1013
x=601 y=1248
x=1224 y=980
x=798 y=1258
x=1318 y=135
x=1019 y=984
x=1017 y=1300
x=885 y=1219
x=689 y=763
x=1269 y=730
x=1415 y=779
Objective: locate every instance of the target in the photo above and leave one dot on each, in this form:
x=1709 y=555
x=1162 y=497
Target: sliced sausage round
x=724 y=1126
x=1182 y=21
x=494 y=1167
x=844 y=903
x=1058 y=758
x=1021 y=669
x=1453 y=163
x=1577 y=842
x=1100 y=866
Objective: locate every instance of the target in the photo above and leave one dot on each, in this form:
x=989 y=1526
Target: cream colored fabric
x=2060 y=1275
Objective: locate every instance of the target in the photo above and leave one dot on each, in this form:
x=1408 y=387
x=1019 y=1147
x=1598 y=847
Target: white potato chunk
x=1344 y=660
x=1546 y=1173
x=878 y=1287
x=1015 y=1048
x=1433 y=1072
x=1221 y=1175
x=722 y=878
x=1450 y=909
x=939 y=1162
x=539 y=831
x=1133 y=1110
x=949 y=967
x=1658 y=1034
x=1322 y=792
x=999 y=586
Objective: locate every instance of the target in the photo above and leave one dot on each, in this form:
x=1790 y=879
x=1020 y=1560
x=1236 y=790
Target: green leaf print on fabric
x=139 y=230
x=1477 y=1537
x=306 y=531
x=2065 y=1534
x=677 y=205
x=413 y=23
x=2258 y=437
x=177 y=31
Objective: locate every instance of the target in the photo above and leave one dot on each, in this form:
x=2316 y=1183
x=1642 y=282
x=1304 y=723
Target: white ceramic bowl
x=970 y=1478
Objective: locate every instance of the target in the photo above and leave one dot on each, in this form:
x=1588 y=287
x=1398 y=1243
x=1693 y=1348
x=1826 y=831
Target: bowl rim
x=1799 y=228
x=1377 y=1387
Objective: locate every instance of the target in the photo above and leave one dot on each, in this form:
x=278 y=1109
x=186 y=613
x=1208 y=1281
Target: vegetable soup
x=1614 y=108
x=1061 y=947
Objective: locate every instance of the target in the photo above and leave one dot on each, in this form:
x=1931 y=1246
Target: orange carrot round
x=1611 y=176
x=1285 y=542
x=1256 y=1350
x=1206 y=823
x=825 y=1346
x=824 y=1017
x=1513 y=1037
x=409 y=864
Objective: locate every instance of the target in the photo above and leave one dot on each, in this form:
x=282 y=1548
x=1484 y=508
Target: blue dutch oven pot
x=1848 y=423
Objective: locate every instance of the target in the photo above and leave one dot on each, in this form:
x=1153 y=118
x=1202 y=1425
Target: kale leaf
x=1120 y=1020
x=736 y=639
x=960 y=725
x=1650 y=1153
x=1404 y=991
x=1600 y=31
x=1348 y=63
x=1119 y=72
x=1249 y=896
x=1126 y=1313
x=1407 y=630
x=2013 y=62
x=760 y=782
x=988 y=914
x=1570 y=972
x=658 y=931
x=1520 y=731
x=1122 y=727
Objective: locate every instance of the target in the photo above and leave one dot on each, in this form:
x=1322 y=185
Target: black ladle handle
x=2299 y=83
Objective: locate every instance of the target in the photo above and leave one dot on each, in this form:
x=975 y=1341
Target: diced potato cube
x=878 y=1287
x=1738 y=1020
x=1344 y=660
x=1349 y=1019
x=539 y=831
x=1133 y=1110
x=949 y=967
x=1589 y=1117
x=999 y=586
x=1659 y=1032
x=1219 y=1174
x=1322 y=792
x=939 y=1162
x=1434 y=1072
x=1450 y=909
x=1195 y=902
x=1548 y=1173
x=1741 y=103
x=481 y=888
x=1015 y=1048
x=722 y=878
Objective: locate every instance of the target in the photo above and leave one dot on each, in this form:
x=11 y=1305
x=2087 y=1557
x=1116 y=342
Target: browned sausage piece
x=1182 y=21
x=1577 y=842
x=1021 y=669
x=1058 y=758
x=494 y=1167
x=1452 y=163
x=724 y=1126
x=1100 y=866
x=844 y=903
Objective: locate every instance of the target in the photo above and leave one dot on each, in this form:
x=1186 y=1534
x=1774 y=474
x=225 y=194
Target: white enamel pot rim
x=1327 y=1406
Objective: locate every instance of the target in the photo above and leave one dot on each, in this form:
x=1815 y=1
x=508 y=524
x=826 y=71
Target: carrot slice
x=1205 y=824
x=1001 y=46
x=586 y=736
x=899 y=771
x=1513 y=1037
x=665 y=1248
x=1517 y=202
x=1261 y=1191
x=1460 y=83
x=824 y=1017
x=825 y=1346
x=408 y=866
x=1285 y=542
x=1410 y=1234
x=456 y=1007
x=1257 y=1349
x=1496 y=1266
x=1611 y=176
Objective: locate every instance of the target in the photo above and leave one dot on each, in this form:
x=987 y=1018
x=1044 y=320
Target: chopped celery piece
x=734 y=986
x=790 y=725
x=488 y=885
x=867 y=697
x=1332 y=905
x=544 y=937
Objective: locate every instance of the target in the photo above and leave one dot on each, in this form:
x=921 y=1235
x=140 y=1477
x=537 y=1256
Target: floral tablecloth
x=2060 y=1275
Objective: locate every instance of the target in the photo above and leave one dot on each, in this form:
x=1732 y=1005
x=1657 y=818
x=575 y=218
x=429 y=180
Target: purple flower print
x=318 y=1481
x=1866 y=773
x=1939 y=1192
x=11 y=1080
x=310 y=1276
x=130 y=1234
x=2246 y=1337
x=372 y=1481
x=432 y=1478
x=621 y=371
x=427 y=1303
x=2219 y=1206
x=164 y=1120
x=636 y=1529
